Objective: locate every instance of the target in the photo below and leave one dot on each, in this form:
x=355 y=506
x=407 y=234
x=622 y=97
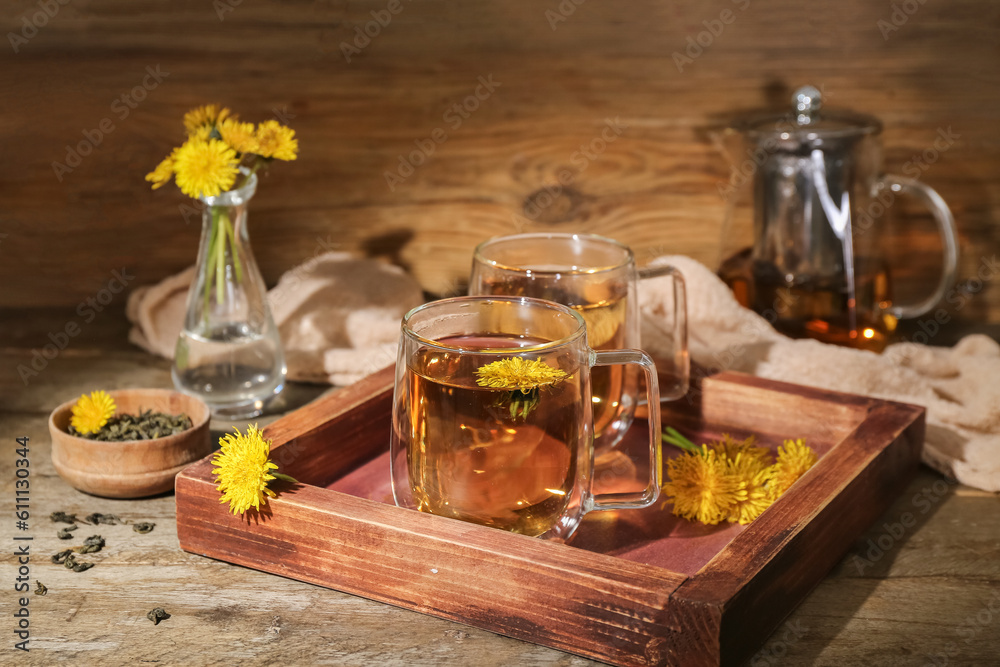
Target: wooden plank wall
x=560 y=70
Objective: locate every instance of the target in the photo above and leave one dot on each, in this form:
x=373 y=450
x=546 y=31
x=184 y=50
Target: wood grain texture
x=655 y=187
x=617 y=609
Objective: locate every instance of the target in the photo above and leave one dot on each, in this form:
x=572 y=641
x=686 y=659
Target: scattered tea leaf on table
x=71 y=563
x=40 y=588
x=60 y=558
x=157 y=615
x=67 y=559
x=62 y=517
x=67 y=532
x=107 y=519
x=143 y=527
x=92 y=544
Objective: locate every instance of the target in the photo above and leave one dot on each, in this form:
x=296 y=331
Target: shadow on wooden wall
x=554 y=115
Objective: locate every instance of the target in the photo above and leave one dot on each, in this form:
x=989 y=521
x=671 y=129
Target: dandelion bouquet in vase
x=222 y=153
x=229 y=353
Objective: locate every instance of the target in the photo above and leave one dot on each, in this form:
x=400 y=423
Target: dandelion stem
x=232 y=247
x=672 y=436
x=220 y=269
x=213 y=240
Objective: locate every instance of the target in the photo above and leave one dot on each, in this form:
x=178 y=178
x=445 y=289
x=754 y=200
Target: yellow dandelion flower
x=518 y=373
x=91 y=413
x=243 y=470
x=163 y=172
x=208 y=116
x=203 y=133
x=205 y=168
x=701 y=487
x=731 y=479
x=794 y=459
x=240 y=136
x=731 y=448
x=274 y=140
x=752 y=473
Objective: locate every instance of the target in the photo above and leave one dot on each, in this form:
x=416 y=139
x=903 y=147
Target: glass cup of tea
x=596 y=277
x=492 y=421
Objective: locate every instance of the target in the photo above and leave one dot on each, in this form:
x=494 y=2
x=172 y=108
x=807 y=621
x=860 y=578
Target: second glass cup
x=492 y=420
x=596 y=277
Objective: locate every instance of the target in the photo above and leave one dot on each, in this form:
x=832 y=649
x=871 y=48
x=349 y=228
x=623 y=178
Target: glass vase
x=229 y=351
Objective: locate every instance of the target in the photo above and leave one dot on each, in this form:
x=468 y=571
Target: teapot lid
x=808 y=122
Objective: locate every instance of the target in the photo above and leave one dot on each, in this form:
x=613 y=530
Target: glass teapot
x=803 y=236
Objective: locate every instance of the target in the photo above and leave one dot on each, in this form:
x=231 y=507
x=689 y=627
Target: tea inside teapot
x=808 y=263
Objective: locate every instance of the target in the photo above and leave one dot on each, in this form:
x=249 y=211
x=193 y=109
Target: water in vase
x=232 y=368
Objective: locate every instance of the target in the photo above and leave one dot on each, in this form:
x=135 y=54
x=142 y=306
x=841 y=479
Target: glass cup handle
x=649 y=495
x=682 y=360
x=949 y=239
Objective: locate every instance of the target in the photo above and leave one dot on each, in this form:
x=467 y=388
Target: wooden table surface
x=924 y=593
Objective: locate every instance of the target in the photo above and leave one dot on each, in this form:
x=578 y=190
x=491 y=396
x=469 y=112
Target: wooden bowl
x=134 y=468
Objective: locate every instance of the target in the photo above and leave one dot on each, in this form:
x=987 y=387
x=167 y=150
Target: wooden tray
x=631 y=588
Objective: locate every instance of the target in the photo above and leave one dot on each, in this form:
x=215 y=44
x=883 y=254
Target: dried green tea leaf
x=92 y=544
x=107 y=519
x=72 y=563
x=143 y=527
x=61 y=557
x=147 y=425
x=157 y=615
x=67 y=532
x=40 y=588
x=62 y=517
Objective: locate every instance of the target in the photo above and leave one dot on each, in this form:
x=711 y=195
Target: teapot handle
x=949 y=239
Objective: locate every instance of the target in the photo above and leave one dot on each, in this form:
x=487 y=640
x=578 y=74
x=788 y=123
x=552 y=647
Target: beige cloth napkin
x=959 y=386
x=338 y=316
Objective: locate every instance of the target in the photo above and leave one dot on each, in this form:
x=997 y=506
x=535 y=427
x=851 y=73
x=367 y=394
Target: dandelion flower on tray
x=730 y=479
x=752 y=473
x=205 y=168
x=277 y=141
x=91 y=413
x=244 y=470
x=794 y=459
x=518 y=373
x=701 y=487
x=731 y=448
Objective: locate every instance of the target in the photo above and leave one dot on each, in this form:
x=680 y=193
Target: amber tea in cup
x=492 y=418
x=596 y=277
